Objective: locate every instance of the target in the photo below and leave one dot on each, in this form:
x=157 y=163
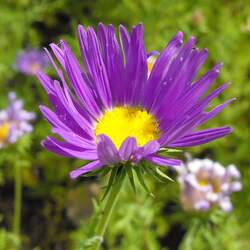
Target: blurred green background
x=55 y=209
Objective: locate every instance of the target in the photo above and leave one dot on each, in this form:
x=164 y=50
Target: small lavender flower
x=14 y=121
x=31 y=61
x=205 y=183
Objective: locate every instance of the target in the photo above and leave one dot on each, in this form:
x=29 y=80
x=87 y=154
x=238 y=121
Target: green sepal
x=139 y=173
x=170 y=150
x=162 y=174
x=105 y=171
x=101 y=172
x=156 y=173
x=113 y=174
x=150 y=171
x=129 y=171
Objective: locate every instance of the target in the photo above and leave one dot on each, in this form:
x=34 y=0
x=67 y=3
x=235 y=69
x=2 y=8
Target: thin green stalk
x=108 y=208
x=18 y=200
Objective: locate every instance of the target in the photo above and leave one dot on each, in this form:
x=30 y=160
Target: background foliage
x=56 y=209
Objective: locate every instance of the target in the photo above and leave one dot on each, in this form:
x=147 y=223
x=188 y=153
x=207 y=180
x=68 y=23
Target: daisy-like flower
x=31 y=61
x=14 y=121
x=117 y=108
x=205 y=183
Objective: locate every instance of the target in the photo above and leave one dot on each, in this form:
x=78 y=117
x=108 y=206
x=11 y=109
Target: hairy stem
x=107 y=210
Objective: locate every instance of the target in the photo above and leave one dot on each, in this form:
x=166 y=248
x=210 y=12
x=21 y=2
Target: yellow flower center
x=121 y=122
x=4 y=131
x=35 y=67
x=203 y=183
x=214 y=183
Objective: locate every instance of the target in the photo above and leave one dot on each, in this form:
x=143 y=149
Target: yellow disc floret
x=4 y=131
x=122 y=122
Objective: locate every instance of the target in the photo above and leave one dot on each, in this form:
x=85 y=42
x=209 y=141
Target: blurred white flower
x=205 y=183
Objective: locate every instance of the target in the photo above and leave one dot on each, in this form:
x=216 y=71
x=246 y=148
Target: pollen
x=4 y=131
x=122 y=122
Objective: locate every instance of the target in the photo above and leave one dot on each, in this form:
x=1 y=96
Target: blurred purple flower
x=205 y=183
x=14 y=121
x=118 y=108
x=31 y=61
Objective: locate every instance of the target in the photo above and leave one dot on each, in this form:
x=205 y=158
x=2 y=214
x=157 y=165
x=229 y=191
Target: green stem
x=18 y=200
x=107 y=210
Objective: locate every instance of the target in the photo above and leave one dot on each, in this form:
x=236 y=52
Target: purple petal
x=69 y=105
x=180 y=129
x=74 y=139
x=95 y=67
x=124 y=39
x=189 y=98
x=69 y=150
x=201 y=104
x=136 y=67
x=59 y=54
x=52 y=118
x=209 y=115
x=112 y=57
x=150 y=148
x=85 y=169
x=159 y=70
x=45 y=81
x=161 y=161
x=200 y=137
x=176 y=84
x=80 y=86
x=127 y=148
x=107 y=152
x=65 y=116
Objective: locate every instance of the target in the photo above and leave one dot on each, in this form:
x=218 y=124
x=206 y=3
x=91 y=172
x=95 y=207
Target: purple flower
x=31 y=61
x=113 y=111
x=205 y=183
x=14 y=121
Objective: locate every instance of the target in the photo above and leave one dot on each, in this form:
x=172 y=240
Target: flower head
x=31 y=61
x=124 y=106
x=205 y=183
x=14 y=121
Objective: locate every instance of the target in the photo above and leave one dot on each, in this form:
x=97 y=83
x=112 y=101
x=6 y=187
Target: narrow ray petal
x=201 y=137
x=124 y=39
x=127 y=148
x=113 y=61
x=159 y=70
x=68 y=149
x=161 y=161
x=74 y=139
x=107 y=152
x=85 y=169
